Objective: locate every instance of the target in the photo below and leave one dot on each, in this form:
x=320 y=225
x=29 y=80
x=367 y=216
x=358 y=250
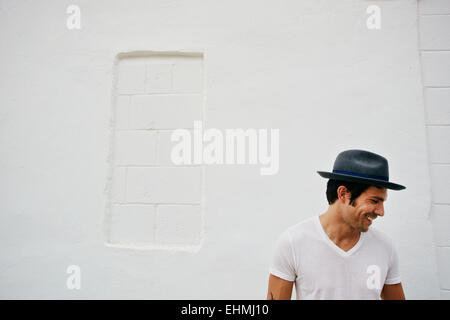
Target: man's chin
x=363 y=229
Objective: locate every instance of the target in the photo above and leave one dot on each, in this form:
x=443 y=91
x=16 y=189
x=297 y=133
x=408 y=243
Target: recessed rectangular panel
x=153 y=203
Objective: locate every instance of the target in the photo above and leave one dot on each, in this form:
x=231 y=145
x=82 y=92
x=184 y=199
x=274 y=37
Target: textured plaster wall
x=310 y=68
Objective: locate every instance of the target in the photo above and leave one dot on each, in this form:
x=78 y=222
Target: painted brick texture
x=153 y=203
x=434 y=18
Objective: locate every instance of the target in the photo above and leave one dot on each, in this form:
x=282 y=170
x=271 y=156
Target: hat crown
x=362 y=163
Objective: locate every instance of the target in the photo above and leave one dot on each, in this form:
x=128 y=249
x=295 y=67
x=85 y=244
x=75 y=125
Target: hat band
x=361 y=175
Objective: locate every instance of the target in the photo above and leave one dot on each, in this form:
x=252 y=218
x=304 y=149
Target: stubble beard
x=359 y=226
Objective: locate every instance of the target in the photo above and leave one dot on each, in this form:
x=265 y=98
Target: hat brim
x=373 y=182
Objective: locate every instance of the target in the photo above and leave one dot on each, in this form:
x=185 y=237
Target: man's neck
x=339 y=231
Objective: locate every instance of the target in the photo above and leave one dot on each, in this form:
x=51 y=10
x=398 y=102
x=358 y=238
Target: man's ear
x=343 y=194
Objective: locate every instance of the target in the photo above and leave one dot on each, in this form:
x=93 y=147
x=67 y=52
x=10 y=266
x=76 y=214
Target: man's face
x=367 y=207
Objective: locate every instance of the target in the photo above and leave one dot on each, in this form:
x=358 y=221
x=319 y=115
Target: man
x=337 y=255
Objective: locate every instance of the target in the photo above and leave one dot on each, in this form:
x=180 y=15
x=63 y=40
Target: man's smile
x=370 y=217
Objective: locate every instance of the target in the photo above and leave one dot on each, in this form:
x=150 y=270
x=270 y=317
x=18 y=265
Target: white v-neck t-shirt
x=321 y=270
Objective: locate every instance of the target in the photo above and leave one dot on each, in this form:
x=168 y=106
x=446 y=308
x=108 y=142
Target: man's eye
x=375 y=201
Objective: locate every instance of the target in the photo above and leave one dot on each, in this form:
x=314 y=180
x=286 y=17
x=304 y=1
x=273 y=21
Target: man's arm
x=392 y=292
x=279 y=289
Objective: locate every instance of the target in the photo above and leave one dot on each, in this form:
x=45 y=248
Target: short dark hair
x=355 y=189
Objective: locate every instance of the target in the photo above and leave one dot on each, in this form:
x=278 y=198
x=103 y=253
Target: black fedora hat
x=363 y=167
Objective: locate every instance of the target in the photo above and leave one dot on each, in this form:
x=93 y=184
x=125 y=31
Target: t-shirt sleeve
x=283 y=265
x=393 y=274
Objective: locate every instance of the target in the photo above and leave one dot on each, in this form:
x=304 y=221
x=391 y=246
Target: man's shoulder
x=380 y=237
x=301 y=228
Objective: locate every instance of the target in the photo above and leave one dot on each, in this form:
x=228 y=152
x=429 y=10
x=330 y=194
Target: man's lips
x=370 y=217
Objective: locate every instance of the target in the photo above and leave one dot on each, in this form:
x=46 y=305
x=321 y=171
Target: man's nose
x=380 y=210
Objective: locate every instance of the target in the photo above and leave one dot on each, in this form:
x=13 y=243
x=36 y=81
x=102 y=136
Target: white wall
x=310 y=68
x=434 y=26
